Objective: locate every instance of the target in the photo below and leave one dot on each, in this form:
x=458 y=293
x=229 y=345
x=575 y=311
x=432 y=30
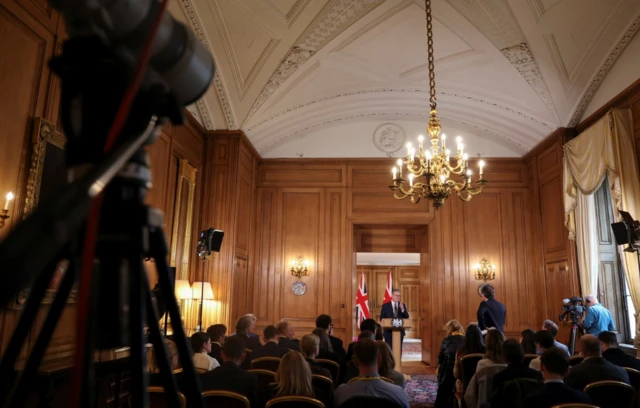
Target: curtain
x=587 y=243
x=606 y=148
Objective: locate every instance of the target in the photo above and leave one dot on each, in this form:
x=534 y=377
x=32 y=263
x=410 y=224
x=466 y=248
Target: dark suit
x=555 y=393
x=515 y=371
x=270 y=349
x=595 y=369
x=289 y=344
x=338 y=349
x=252 y=343
x=386 y=312
x=318 y=369
x=230 y=377
x=491 y=313
x=620 y=358
x=216 y=352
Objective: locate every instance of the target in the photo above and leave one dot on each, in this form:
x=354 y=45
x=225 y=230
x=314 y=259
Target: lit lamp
x=183 y=292
x=300 y=267
x=4 y=214
x=202 y=291
x=485 y=271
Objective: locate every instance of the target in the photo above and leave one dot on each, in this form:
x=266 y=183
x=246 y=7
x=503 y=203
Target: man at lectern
x=392 y=309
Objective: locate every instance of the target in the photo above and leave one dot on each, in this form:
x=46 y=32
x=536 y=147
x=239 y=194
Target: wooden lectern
x=396 y=325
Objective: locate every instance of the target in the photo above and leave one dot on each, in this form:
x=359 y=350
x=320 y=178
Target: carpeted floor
x=421 y=390
x=411 y=350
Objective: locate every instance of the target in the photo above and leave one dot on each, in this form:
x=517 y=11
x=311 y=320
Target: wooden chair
x=201 y=370
x=227 y=399
x=575 y=360
x=323 y=383
x=157 y=398
x=369 y=402
x=266 y=363
x=575 y=405
x=611 y=394
x=528 y=358
x=265 y=378
x=294 y=402
x=333 y=367
x=634 y=379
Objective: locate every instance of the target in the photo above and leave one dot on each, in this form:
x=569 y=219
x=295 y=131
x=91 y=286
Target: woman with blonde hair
x=446 y=361
x=388 y=364
x=152 y=362
x=294 y=378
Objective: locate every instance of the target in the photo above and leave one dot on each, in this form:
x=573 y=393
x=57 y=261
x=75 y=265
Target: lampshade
x=196 y=290
x=183 y=290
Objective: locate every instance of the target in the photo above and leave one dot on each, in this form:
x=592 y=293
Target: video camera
x=572 y=308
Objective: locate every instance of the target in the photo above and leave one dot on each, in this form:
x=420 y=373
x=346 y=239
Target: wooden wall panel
x=292 y=174
x=336 y=287
x=372 y=238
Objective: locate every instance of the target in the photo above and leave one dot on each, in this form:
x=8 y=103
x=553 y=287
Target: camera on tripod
x=573 y=309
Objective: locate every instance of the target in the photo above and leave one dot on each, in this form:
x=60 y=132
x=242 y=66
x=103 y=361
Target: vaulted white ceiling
x=318 y=77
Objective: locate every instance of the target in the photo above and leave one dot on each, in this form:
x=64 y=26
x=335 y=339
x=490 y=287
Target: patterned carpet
x=421 y=390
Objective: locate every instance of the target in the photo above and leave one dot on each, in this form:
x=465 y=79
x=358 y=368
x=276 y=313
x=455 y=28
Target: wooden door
x=558 y=273
x=409 y=285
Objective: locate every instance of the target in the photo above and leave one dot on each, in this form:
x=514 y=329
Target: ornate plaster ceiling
x=298 y=74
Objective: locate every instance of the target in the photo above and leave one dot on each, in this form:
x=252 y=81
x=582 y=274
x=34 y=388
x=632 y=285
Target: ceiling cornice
x=203 y=108
x=471 y=98
x=597 y=79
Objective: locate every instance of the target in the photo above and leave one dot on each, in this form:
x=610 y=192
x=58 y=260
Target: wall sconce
x=5 y=211
x=300 y=267
x=485 y=271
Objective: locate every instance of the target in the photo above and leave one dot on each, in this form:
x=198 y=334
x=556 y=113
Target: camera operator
x=597 y=319
x=491 y=313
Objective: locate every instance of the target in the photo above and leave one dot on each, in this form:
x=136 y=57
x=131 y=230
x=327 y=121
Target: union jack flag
x=362 y=302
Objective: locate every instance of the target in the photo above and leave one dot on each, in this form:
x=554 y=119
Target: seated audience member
x=367 y=358
x=230 y=376
x=324 y=322
x=201 y=345
x=379 y=335
x=553 y=329
x=593 y=368
x=217 y=333
x=366 y=325
x=544 y=341
x=388 y=364
x=486 y=369
x=513 y=354
x=528 y=342
x=285 y=336
x=326 y=349
x=446 y=360
x=554 y=365
x=473 y=344
x=242 y=330
x=252 y=328
x=613 y=354
x=152 y=364
x=270 y=347
x=310 y=347
x=351 y=369
x=294 y=378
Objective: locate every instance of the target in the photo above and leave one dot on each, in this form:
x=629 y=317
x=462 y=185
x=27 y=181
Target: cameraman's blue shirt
x=597 y=320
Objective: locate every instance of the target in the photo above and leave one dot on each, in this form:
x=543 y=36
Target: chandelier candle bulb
x=400 y=167
x=481 y=165
x=8 y=197
x=448 y=153
x=409 y=149
x=394 y=170
x=459 y=143
x=444 y=142
x=443 y=178
x=420 y=140
x=413 y=154
x=411 y=179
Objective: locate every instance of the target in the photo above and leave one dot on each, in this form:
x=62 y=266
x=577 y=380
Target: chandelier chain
x=432 y=74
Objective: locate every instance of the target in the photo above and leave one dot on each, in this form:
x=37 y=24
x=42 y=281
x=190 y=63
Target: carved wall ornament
x=389 y=138
x=44 y=135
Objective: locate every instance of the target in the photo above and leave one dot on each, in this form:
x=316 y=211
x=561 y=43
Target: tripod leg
x=160 y=348
x=26 y=320
x=192 y=380
x=136 y=325
x=50 y=322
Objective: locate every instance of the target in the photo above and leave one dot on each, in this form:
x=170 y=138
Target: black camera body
x=572 y=308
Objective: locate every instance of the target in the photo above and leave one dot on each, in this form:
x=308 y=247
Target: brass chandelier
x=428 y=171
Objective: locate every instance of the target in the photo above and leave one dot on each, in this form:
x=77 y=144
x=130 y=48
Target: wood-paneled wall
x=388 y=238
x=31 y=32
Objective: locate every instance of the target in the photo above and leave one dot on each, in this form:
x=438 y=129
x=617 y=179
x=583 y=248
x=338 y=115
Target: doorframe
x=426 y=334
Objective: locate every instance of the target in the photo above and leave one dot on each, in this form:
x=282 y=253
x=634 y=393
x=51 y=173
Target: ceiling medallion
x=389 y=138
x=432 y=167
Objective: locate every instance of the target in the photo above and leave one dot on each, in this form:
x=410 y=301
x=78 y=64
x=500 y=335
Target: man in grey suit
x=594 y=367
